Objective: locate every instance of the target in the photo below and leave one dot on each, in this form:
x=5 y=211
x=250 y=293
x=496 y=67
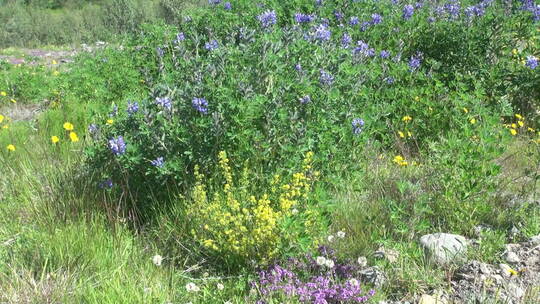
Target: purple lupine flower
x=305 y=99
x=227 y=6
x=418 y=5
x=211 y=45
x=346 y=40
x=357 y=125
x=303 y=18
x=325 y=78
x=431 y=19
x=384 y=54
x=160 y=52
x=376 y=19
x=200 y=104
x=319 y=2
x=338 y=15
x=179 y=38
x=164 y=102
x=114 y=111
x=365 y=25
x=158 y=162
x=354 y=20
x=532 y=62
x=267 y=19
x=452 y=9
x=132 y=107
x=322 y=33
x=414 y=62
x=389 y=80
x=214 y=2
x=92 y=129
x=408 y=11
x=106 y=184
x=363 y=49
x=298 y=67
x=117 y=145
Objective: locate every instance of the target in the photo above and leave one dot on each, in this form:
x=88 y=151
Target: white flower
x=341 y=234
x=220 y=286
x=362 y=261
x=294 y=211
x=321 y=261
x=330 y=238
x=191 y=287
x=157 y=260
x=329 y=263
x=354 y=282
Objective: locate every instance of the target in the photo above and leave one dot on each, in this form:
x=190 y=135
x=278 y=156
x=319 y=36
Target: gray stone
x=373 y=275
x=511 y=257
x=515 y=291
x=444 y=248
x=506 y=271
x=535 y=240
x=385 y=253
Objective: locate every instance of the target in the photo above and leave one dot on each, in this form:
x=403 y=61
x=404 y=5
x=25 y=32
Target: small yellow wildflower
x=409 y=133
x=55 y=139
x=110 y=122
x=3 y=93
x=54 y=62
x=521 y=123
x=2 y=117
x=406 y=118
x=73 y=136
x=68 y=126
x=400 y=160
x=514 y=126
x=513 y=132
x=514 y=52
x=5 y=127
x=401 y=134
x=13 y=100
x=465 y=110
x=11 y=148
x=518 y=116
x=417 y=98
x=530 y=129
x=56 y=73
x=513 y=272
x=472 y=121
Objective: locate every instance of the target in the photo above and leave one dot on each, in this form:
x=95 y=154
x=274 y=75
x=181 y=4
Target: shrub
x=242 y=224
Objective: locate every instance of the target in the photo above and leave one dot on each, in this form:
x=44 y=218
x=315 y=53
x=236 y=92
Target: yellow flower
x=56 y=73
x=530 y=129
x=514 y=51
x=521 y=123
x=110 y=121
x=417 y=98
x=73 y=136
x=2 y=117
x=54 y=62
x=55 y=139
x=13 y=100
x=409 y=133
x=518 y=116
x=401 y=134
x=465 y=110
x=11 y=148
x=68 y=126
x=513 y=132
x=3 y=93
x=5 y=127
x=398 y=159
x=406 y=118
x=514 y=126
x=472 y=121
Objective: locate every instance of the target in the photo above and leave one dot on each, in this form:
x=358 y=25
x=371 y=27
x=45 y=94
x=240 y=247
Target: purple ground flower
x=408 y=11
x=267 y=19
x=211 y=45
x=298 y=67
x=338 y=15
x=200 y=104
x=414 y=62
x=132 y=107
x=179 y=38
x=106 y=184
x=117 y=145
x=376 y=19
x=160 y=52
x=325 y=78
x=93 y=129
x=322 y=33
x=346 y=40
x=305 y=99
x=532 y=62
x=158 y=162
x=389 y=80
x=363 y=49
x=354 y=20
x=303 y=18
x=357 y=125
x=384 y=54
x=452 y=8
x=227 y=6
x=214 y=2
x=164 y=102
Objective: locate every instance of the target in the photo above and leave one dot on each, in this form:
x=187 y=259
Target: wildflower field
x=299 y=151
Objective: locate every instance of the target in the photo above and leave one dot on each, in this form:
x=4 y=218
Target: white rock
x=515 y=291
x=506 y=271
x=427 y=299
x=511 y=257
x=362 y=261
x=444 y=248
x=535 y=240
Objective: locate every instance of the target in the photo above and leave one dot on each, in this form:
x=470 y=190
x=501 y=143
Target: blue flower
x=408 y=11
x=384 y=54
x=159 y=52
x=211 y=45
x=322 y=33
x=227 y=6
x=346 y=40
x=267 y=19
x=354 y=20
x=338 y=15
x=532 y=62
x=117 y=145
x=132 y=107
x=164 y=102
x=106 y=184
x=357 y=125
x=93 y=129
x=305 y=99
x=325 y=78
x=298 y=67
x=376 y=19
x=179 y=38
x=158 y=162
x=303 y=18
x=200 y=104
x=214 y=2
x=389 y=80
x=415 y=61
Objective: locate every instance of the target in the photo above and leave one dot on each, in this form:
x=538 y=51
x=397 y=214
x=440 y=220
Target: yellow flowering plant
x=240 y=224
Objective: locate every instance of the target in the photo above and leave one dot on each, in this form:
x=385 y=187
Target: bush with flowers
x=239 y=224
